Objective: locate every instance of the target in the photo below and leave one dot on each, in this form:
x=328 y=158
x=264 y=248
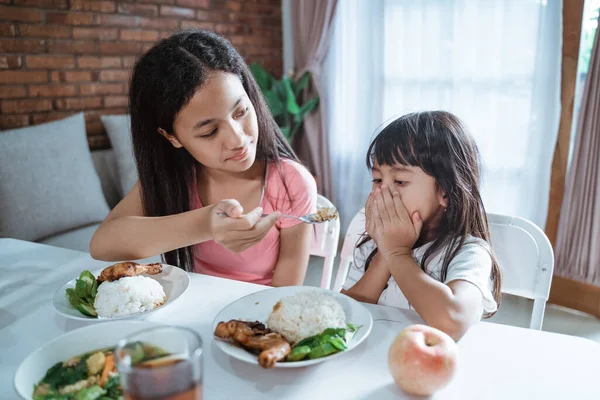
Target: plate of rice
x=125 y=297
x=296 y=314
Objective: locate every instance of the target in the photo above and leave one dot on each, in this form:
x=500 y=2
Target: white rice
x=306 y=314
x=127 y=296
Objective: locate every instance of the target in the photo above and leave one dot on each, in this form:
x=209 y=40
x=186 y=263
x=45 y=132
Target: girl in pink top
x=207 y=149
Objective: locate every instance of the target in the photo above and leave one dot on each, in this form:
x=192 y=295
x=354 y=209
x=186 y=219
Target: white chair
x=353 y=235
x=522 y=250
x=325 y=242
x=526 y=261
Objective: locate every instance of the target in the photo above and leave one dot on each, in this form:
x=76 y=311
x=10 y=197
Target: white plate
x=257 y=307
x=174 y=281
x=70 y=344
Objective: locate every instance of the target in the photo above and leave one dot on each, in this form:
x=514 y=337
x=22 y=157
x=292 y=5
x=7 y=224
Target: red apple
x=422 y=360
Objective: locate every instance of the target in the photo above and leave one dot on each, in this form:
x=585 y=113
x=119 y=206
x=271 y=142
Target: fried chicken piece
x=254 y=336
x=128 y=268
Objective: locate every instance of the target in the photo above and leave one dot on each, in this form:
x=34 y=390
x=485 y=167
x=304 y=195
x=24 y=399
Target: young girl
x=428 y=238
x=211 y=160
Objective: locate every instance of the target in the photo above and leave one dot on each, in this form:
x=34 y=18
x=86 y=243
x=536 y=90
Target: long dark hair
x=163 y=81
x=439 y=144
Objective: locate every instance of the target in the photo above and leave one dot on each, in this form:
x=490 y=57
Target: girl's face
x=419 y=191
x=218 y=126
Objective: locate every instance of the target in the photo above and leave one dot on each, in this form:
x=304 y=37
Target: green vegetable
x=54 y=396
x=58 y=375
x=91 y=393
x=322 y=350
x=83 y=295
x=298 y=353
x=113 y=391
x=330 y=341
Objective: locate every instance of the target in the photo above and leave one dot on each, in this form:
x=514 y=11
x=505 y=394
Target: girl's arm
x=126 y=234
x=294 y=249
x=451 y=307
x=369 y=287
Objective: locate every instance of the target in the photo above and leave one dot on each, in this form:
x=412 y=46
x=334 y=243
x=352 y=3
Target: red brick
x=45 y=31
x=225 y=29
x=79 y=103
x=98 y=142
x=262 y=9
x=160 y=2
x=164 y=34
x=23 y=76
x=45 y=62
x=11 y=13
x=54 y=4
x=119 y=48
x=193 y=3
x=146 y=10
x=116 y=75
x=10 y=62
x=22 y=46
x=25 y=106
x=51 y=116
x=134 y=35
x=197 y=24
x=101 y=88
x=95 y=33
x=159 y=23
x=71 y=18
x=12 y=91
x=13 y=121
x=75 y=47
x=178 y=12
x=235 y=6
x=52 y=90
x=118 y=20
x=77 y=76
x=55 y=76
x=7 y=29
x=94 y=6
x=129 y=62
x=116 y=101
x=98 y=62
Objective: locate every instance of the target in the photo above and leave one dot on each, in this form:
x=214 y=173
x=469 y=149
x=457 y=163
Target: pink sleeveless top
x=256 y=264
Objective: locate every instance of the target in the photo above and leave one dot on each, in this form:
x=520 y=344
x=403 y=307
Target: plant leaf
x=275 y=104
x=291 y=104
x=301 y=83
x=263 y=79
x=286 y=132
x=306 y=109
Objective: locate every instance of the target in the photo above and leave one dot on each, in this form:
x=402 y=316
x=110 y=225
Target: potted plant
x=283 y=99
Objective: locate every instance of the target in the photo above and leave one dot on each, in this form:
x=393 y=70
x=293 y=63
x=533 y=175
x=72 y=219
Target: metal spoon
x=314 y=218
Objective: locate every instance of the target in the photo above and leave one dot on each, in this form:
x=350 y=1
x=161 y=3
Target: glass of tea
x=161 y=363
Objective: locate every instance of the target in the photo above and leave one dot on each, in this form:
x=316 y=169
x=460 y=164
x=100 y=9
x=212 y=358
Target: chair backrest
x=325 y=242
x=522 y=250
x=353 y=234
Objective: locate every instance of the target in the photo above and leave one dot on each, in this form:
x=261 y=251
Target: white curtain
x=496 y=64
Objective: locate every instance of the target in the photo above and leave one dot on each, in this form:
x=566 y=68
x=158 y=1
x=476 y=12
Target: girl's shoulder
x=291 y=175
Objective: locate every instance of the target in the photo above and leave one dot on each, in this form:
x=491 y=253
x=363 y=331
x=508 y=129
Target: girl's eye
x=401 y=183
x=375 y=180
x=209 y=134
x=242 y=113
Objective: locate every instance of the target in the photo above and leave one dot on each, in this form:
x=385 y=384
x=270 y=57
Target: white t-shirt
x=472 y=264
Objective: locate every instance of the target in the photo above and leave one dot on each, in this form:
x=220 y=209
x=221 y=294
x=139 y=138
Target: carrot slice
x=109 y=366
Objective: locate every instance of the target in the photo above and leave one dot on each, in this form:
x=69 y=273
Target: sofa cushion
x=118 y=128
x=48 y=182
x=106 y=167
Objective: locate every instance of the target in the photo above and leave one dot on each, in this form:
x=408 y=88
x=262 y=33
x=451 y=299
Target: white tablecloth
x=496 y=361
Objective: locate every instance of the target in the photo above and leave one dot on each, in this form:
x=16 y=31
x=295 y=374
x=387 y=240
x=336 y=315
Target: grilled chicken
x=254 y=336
x=124 y=269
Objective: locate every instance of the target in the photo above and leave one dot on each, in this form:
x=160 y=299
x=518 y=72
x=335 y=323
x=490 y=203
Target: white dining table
x=495 y=361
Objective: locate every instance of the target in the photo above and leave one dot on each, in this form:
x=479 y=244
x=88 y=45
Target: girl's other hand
x=238 y=231
x=389 y=223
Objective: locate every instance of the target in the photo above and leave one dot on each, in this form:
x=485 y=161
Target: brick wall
x=58 y=57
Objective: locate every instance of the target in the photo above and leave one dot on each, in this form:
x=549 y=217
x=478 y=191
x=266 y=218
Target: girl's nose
x=236 y=137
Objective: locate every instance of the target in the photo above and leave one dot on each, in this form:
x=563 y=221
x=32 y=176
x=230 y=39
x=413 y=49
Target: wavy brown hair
x=163 y=81
x=439 y=144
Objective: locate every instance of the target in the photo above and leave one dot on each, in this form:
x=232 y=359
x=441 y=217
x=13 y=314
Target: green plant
x=283 y=99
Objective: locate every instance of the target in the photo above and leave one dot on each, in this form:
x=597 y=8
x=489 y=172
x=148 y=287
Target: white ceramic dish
x=70 y=344
x=258 y=306
x=174 y=281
